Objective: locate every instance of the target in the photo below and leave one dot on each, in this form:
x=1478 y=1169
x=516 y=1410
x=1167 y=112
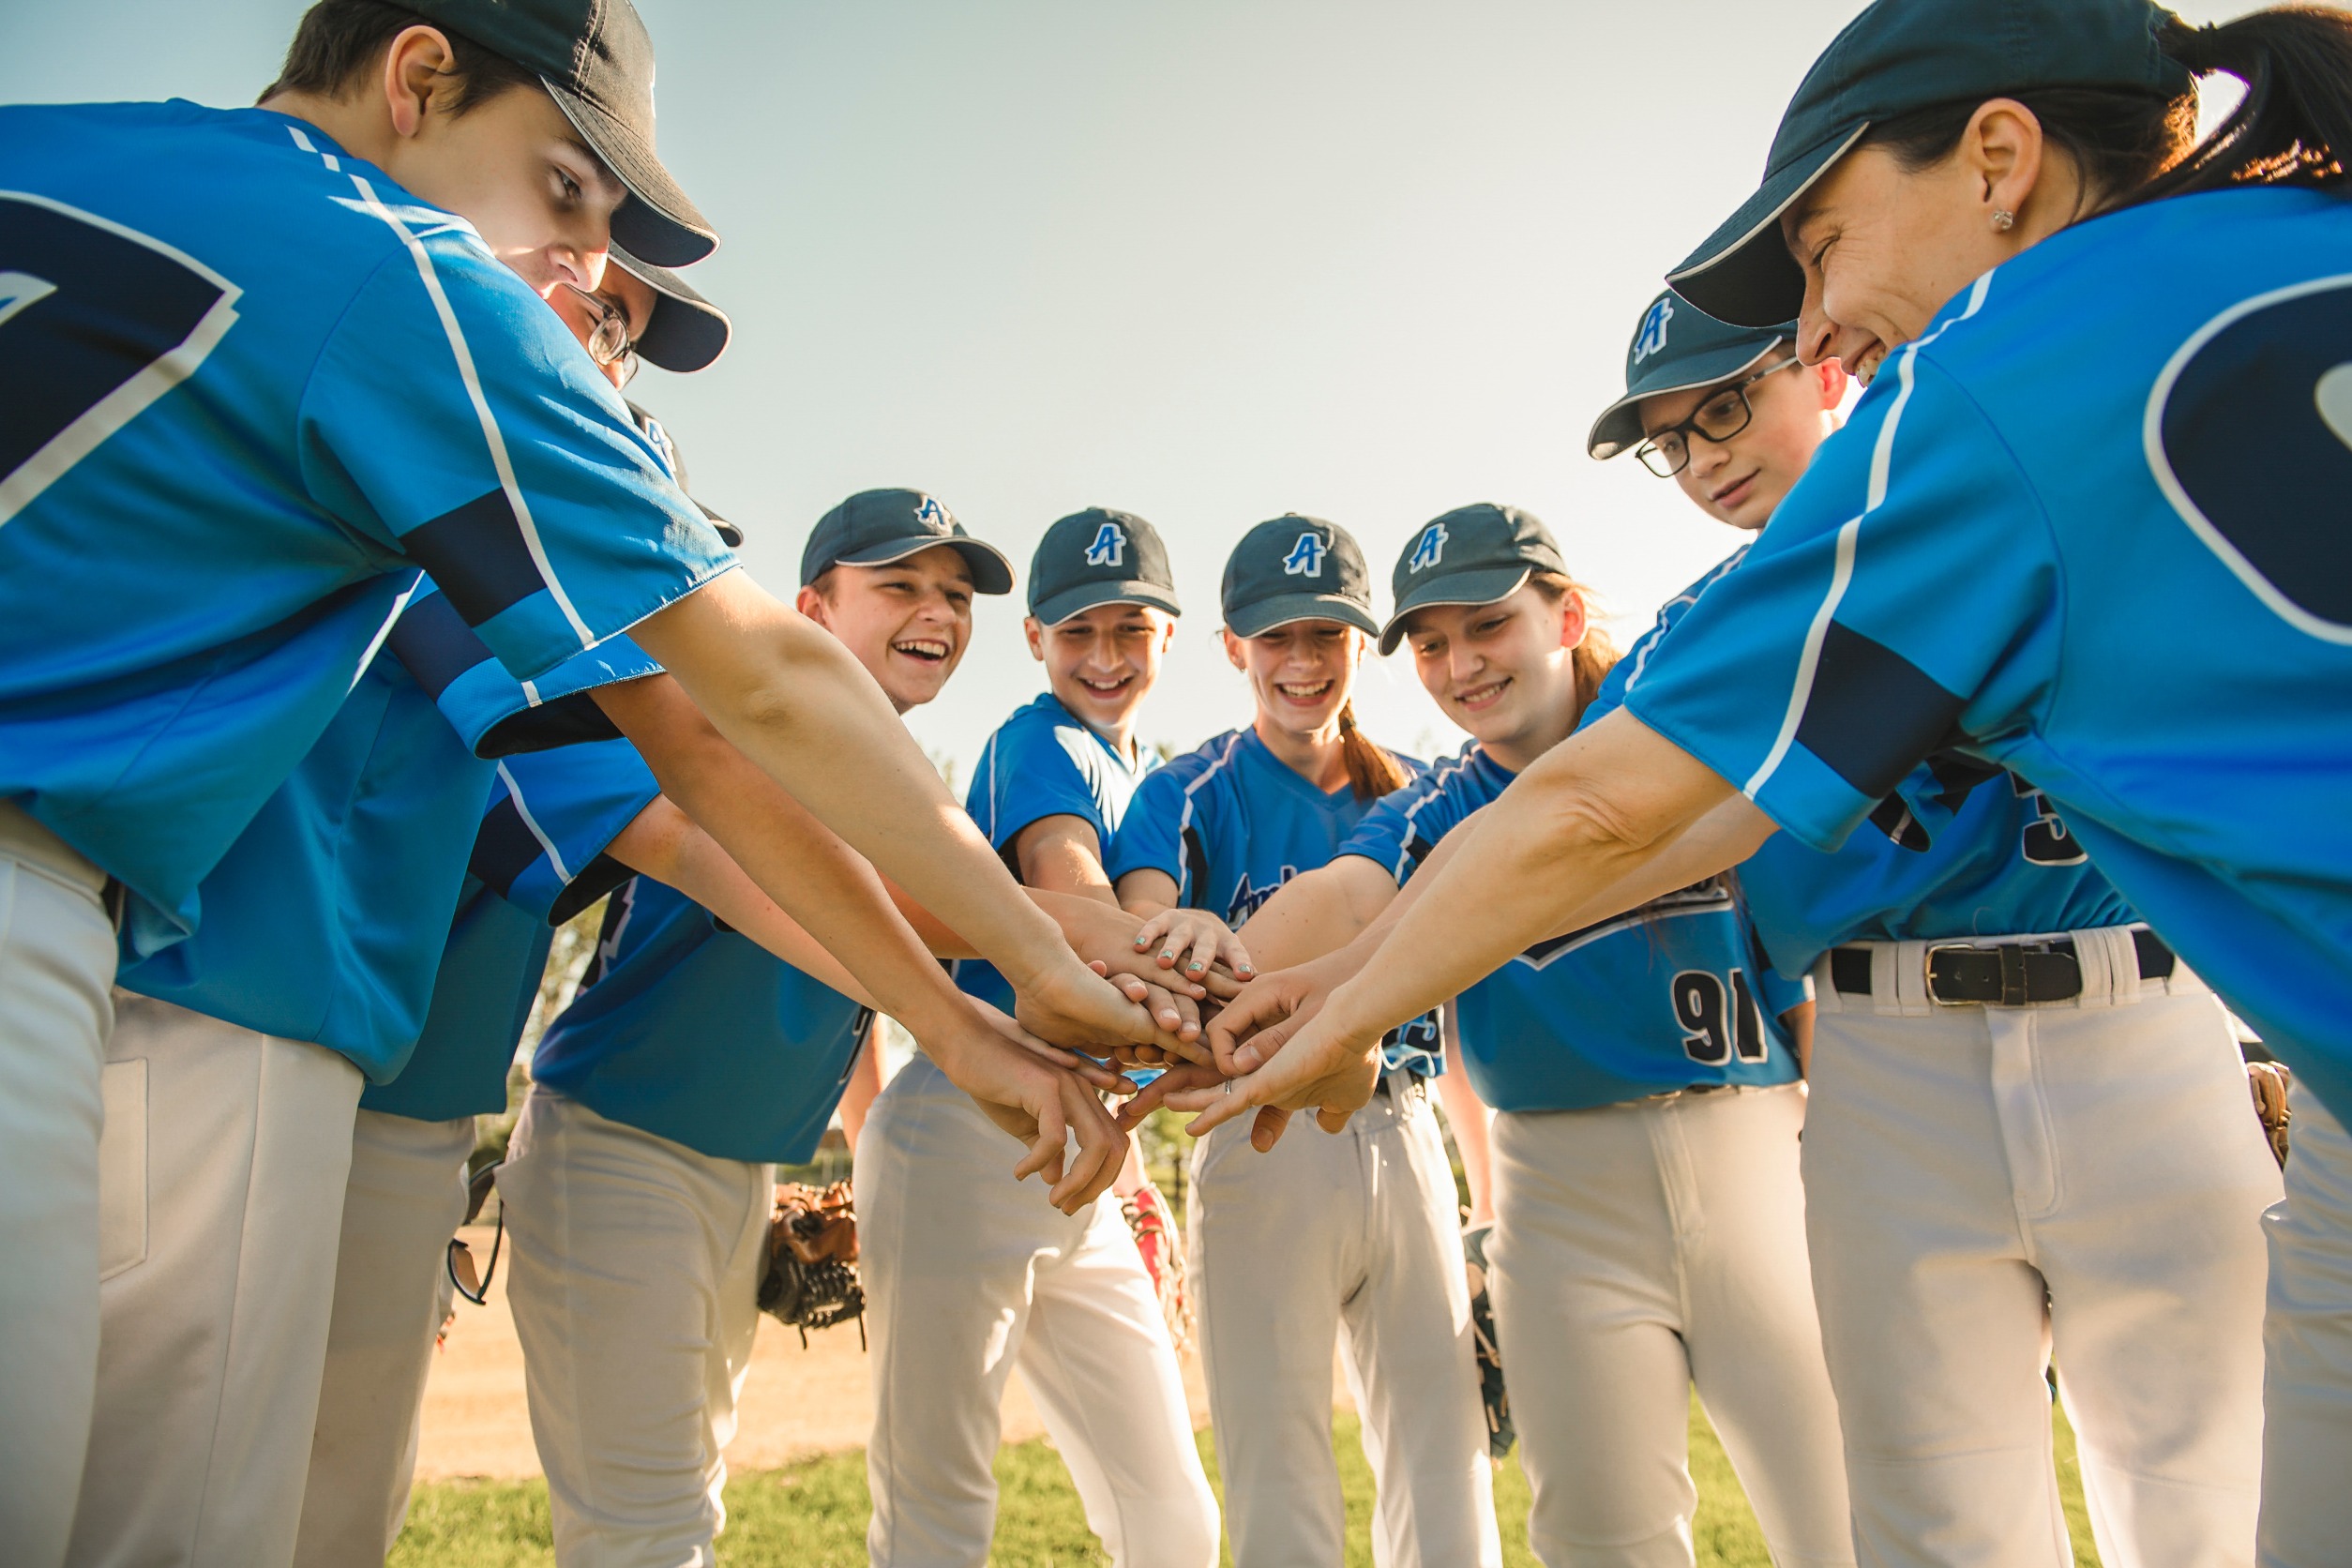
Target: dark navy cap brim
x=1086 y=595
x=657 y=223
x=727 y=531
x=687 y=332
x=1266 y=615
x=1619 y=425
x=1484 y=586
x=1744 y=274
x=990 y=572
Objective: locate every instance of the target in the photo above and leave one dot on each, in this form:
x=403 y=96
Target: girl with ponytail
x=1356 y=1232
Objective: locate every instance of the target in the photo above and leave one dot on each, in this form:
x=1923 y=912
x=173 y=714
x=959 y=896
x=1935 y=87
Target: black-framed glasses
x=471 y=1282
x=1725 y=415
x=609 y=341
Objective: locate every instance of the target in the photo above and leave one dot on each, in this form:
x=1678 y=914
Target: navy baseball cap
x=1296 y=568
x=1470 y=555
x=1099 y=556
x=1898 y=56
x=596 y=60
x=1677 y=347
x=685 y=332
x=875 y=527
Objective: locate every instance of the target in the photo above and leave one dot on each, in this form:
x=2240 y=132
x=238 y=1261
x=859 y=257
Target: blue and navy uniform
x=1043 y=761
x=2086 y=527
x=1670 y=996
x=273 y=385
x=691 y=1032
x=1230 y=823
x=539 y=859
x=1959 y=850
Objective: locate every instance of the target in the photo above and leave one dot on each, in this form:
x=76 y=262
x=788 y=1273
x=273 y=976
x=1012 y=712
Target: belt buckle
x=1927 y=970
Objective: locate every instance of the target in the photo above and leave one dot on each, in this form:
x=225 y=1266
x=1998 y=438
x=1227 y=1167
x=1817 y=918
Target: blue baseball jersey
x=691 y=1032
x=324 y=920
x=1044 y=761
x=1231 y=823
x=2086 y=527
x=271 y=384
x=539 y=859
x=1670 y=996
x=1959 y=850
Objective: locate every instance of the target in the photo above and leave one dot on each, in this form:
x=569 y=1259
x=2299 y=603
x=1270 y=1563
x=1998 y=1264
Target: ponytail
x=1372 y=770
x=2294 y=125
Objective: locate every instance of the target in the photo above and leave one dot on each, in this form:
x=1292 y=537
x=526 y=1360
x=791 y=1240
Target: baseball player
x=1650 y=1225
x=2050 y=471
x=1353 y=1236
x=287 y=368
x=961 y=1286
x=1976 y=1161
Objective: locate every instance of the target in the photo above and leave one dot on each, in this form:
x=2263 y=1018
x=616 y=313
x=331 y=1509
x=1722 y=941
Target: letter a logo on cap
x=1653 y=330
x=1109 y=548
x=1307 y=557
x=1430 y=551
x=932 y=512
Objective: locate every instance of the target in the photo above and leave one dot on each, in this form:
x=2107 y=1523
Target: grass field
x=813 y=1514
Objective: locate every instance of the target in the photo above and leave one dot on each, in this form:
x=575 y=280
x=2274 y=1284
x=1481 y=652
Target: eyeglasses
x=609 y=341
x=1722 y=416
x=471 y=1284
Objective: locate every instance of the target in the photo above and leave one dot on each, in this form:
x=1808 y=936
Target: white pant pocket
x=123 y=1168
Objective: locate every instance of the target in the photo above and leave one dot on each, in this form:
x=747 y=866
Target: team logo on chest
x=1109 y=548
x=1307 y=557
x=1430 y=551
x=1653 y=336
x=1246 y=899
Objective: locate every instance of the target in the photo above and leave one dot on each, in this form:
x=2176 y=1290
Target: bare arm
x=857 y=1095
x=1467 y=1118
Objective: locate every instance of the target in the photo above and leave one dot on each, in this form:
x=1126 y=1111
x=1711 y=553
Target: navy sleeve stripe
x=503 y=849
x=478 y=555
x=599 y=877
x=1196 y=869
x=1872 y=714
x=567 y=720
x=434 y=646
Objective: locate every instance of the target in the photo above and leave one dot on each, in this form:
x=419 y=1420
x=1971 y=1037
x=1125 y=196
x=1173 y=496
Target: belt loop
x=1898 y=979
x=2109 y=948
x=1827 y=998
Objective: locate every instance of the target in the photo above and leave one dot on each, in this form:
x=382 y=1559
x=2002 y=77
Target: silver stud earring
x=2004 y=220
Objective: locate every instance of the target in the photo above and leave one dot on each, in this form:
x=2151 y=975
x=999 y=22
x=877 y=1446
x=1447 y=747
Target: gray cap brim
x=657 y=223
x=1267 y=614
x=687 y=332
x=990 y=572
x=1619 y=425
x=1060 y=607
x=1479 y=587
x=1744 y=274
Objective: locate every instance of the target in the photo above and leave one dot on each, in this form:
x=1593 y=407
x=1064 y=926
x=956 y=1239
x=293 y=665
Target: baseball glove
x=1163 y=1248
x=1501 y=1434
x=811 y=1280
x=2268 y=1082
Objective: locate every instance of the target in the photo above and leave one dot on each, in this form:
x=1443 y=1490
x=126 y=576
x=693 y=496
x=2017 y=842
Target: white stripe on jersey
x=375 y=643
x=1437 y=777
x=523 y=809
x=1842 y=575
x=1183 y=822
x=1689 y=597
x=124 y=403
x=334 y=164
x=492 y=435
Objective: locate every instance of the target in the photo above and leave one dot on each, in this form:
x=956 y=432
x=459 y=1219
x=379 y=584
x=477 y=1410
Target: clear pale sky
x=1208 y=261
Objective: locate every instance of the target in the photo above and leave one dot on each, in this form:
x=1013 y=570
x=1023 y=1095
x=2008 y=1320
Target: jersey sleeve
x=550 y=819
x=496 y=714
x=1025 y=777
x=1904 y=600
x=1150 y=836
x=452 y=417
x=1402 y=828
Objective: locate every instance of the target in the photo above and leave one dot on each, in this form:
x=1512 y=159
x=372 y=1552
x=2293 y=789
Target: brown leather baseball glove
x=811 y=1280
x=2268 y=1082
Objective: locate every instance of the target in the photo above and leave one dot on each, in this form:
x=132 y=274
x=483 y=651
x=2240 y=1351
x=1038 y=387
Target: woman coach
x=2117 y=404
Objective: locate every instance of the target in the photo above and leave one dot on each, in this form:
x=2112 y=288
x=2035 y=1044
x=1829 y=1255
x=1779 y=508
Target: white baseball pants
x=221 y=1190
x=635 y=1281
x=56 y=968
x=1639 y=1249
x=404 y=1198
x=1326 y=1235
x=968 y=1272
x=2307 y=1387
x=1987 y=1185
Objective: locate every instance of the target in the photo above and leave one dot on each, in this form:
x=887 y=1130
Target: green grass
x=812 y=1514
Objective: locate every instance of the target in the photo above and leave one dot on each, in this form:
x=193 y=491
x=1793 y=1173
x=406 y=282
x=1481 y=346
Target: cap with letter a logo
x=1677 y=347
x=596 y=60
x=1296 y=568
x=875 y=527
x=1099 y=556
x=1471 y=555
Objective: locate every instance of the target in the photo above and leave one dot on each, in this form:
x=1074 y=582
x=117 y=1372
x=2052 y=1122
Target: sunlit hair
x=339 y=40
x=1596 y=655
x=2291 y=128
x=1373 y=770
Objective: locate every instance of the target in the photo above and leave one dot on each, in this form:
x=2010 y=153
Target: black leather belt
x=2001 y=973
